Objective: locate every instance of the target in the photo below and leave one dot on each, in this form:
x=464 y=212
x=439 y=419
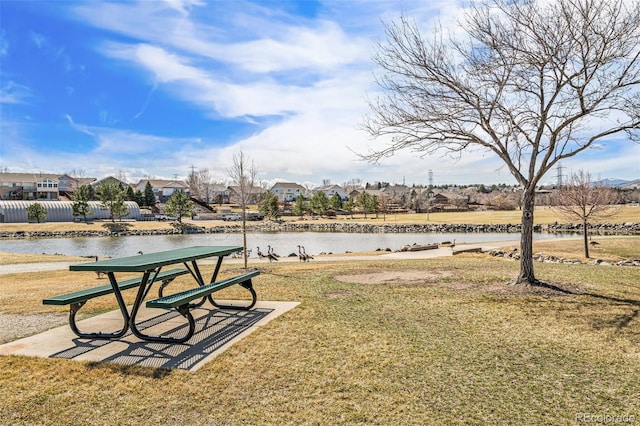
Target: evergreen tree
x=119 y=208
x=374 y=205
x=335 y=202
x=130 y=195
x=178 y=205
x=111 y=195
x=80 y=206
x=349 y=206
x=269 y=205
x=91 y=193
x=301 y=206
x=138 y=197
x=36 y=213
x=319 y=203
x=364 y=202
x=149 y=196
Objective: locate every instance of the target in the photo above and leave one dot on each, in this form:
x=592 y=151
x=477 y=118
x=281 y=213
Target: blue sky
x=154 y=88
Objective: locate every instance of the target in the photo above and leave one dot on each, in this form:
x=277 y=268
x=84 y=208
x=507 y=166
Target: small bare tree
x=531 y=82
x=243 y=173
x=76 y=175
x=199 y=182
x=586 y=201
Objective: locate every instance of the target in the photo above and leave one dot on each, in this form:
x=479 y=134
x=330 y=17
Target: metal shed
x=59 y=211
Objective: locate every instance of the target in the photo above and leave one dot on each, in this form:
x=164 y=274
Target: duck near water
x=261 y=255
x=271 y=252
x=302 y=254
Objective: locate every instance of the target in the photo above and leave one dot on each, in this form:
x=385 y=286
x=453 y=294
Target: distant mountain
x=617 y=183
x=632 y=184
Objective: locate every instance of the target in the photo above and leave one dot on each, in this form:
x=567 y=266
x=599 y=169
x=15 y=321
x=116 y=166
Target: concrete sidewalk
x=216 y=330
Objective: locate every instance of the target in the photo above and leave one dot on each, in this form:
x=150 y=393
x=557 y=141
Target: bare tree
x=583 y=200
x=199 y=182
x=533 y=83
x=77 y=176
x=121 y=175
x=352 y=185
x=243 y=173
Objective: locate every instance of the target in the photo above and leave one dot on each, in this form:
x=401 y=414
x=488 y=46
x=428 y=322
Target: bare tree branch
x=532 y=82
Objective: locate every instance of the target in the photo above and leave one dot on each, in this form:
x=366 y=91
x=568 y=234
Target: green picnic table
x=150 y=266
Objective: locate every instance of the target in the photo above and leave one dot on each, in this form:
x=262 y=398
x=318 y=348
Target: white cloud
x=15 y=93
x=306 y=78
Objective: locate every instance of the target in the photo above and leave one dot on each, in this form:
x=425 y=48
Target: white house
x=331 y=190
x=287 y=191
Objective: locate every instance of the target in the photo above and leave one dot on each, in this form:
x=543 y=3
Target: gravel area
x=14 y=326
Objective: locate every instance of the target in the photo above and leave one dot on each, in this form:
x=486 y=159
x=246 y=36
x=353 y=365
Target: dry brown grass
x=7 y=258
x=608 y=248
x=542 y=216
x=421 y=342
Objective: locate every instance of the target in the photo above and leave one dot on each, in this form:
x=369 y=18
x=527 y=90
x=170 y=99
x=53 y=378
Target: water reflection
x=283 y=243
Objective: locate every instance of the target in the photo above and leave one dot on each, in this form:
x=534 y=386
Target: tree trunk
x=245 y=253
x=585 y=227
x=527 y=277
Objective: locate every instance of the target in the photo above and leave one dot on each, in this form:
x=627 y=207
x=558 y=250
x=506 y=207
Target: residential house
x=288 y=191
x=331 y=190
x=396 y=198
x=162 y=189
x=255 y=193
x=68 y=185
x=450 y=201
x=97 y=183
x=29 y=186
x=218 y=193
x=396 y=192
x=355 y=193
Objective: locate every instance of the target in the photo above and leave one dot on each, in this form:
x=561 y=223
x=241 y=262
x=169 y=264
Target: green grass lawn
x=441 y=341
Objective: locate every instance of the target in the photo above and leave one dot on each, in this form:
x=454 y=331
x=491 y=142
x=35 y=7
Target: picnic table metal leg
x=214 y=276
x=195 y=271
x=73 y=310
x=254 y=298
x=184 y=311
x=75 y=307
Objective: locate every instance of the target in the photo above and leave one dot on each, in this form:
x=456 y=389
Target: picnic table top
x=146 y=262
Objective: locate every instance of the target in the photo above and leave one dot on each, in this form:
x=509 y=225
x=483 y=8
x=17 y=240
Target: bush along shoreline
x=125 y=229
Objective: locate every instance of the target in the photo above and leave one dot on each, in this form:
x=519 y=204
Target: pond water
x=283 y=243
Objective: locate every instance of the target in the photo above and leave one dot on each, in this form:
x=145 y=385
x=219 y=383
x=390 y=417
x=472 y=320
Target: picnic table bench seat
x=184 y=297
x=181 y=302
x=77 y=299
x=90 y=293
